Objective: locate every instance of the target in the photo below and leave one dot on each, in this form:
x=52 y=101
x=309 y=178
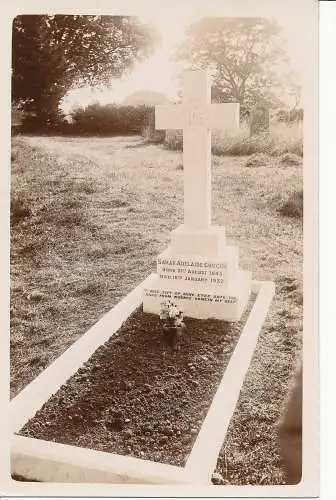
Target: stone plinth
x=201 y=274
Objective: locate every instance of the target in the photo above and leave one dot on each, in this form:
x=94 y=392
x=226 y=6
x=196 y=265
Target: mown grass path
x=99 y=210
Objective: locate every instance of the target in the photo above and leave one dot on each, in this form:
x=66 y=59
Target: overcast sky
x=158 y=72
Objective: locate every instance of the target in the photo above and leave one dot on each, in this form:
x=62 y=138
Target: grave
x=37 y=459
x=199 y=271
x=198 y=251
x=259 y=122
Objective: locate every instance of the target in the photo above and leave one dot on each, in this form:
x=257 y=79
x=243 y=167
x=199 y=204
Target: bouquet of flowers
x=171 y=317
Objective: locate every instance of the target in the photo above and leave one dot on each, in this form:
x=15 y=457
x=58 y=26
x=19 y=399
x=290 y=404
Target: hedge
x=111 y=119
x=97 y=119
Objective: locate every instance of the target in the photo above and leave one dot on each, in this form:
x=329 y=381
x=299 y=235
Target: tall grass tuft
x=281 y=139
x=293 y=206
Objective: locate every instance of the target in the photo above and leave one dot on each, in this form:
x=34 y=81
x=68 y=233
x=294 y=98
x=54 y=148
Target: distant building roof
x=149 y=97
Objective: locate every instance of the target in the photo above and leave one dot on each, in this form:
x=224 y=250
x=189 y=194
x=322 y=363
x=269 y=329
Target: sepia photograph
x=160 y=163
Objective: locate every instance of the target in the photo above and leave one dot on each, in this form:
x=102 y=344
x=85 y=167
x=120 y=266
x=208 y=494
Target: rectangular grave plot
x=136 y=396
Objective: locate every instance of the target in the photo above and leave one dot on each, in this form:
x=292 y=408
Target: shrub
x=97 y=119
x=281 y=139
x=289 y=116
x=287 y=139
x=111 y=119
x=290 y=159
x=52 y=123
x=293 y=206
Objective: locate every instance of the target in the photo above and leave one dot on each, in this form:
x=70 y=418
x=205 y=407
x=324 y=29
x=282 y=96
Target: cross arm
x=224 y=116
x=168 y=116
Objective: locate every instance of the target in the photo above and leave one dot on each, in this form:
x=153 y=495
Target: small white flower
x=173 y=312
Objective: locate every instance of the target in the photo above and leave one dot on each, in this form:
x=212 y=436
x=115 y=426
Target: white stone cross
x=196 y=116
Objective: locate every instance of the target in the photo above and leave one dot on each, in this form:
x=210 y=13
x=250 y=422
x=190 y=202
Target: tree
x=52 y=54
x=242 y=54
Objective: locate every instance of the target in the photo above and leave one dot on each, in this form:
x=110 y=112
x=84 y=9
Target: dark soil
x=138 y=396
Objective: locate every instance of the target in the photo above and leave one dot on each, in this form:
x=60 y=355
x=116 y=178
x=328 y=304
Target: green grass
x=98 y=214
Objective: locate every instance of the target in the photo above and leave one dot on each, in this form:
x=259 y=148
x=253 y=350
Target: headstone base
x=201 y=301
x=201 y=274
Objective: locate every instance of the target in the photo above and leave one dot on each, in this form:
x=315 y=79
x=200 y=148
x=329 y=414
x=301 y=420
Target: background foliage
x=52 y=54
x=244 y=56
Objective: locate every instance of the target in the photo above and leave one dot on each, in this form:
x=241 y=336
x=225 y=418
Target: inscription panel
x=190 y=296
x=212 y=273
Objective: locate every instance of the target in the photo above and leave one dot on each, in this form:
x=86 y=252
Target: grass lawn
x=90 y=215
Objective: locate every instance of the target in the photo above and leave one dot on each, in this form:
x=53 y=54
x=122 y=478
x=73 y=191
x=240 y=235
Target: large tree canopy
x=243 y=55
x=52 y=54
